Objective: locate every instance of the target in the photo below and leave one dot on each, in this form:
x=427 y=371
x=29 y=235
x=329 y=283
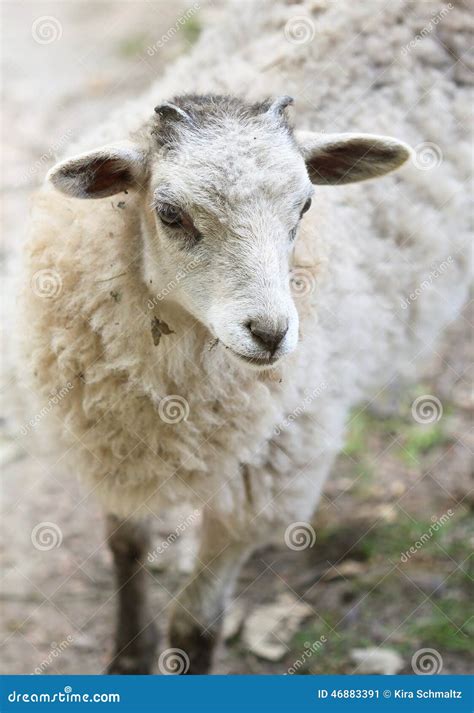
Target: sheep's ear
x=346 y=158
x=100 y=173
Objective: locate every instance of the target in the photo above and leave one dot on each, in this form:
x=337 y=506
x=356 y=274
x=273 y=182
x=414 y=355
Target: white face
x=224 y=186
x=225 y=213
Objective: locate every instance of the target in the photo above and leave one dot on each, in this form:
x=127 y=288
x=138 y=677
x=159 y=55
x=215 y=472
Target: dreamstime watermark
x=300 y=536
x=46 y=284
x=299 y=30
x=46 y=536
x=302 y=282
x=426 y=409
x=426 y=662
x=46 y=29
x=53 y=401
x=427 y=156
x=427 y=29
x=173 y=409
x=438 y=523
x=300 y=409
x=55 y=651
x=173 y=284
x=434 y=274
x=173 y=536
x=49 y=155
x=173 y=30
x=309 y=650
x=173 y=661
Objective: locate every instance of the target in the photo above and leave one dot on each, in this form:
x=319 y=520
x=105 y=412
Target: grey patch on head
x=159 y=328
x=198 y=112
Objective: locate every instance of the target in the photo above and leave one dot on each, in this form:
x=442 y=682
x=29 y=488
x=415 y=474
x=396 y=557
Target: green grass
x=132 y=46
x=192 y=29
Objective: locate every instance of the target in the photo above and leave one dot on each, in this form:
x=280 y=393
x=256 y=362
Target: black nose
x=269 y=338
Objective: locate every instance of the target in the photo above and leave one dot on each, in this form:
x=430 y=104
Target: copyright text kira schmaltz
x=387 y=693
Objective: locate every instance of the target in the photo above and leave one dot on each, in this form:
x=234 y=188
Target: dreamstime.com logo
x=65 y=696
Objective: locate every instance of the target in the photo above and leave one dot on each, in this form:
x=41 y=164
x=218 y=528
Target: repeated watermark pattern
x=46 y=536
x=173 y=409
x=427 y=156
x=300 y=30
x=302 y=282
x=300 y=536
x=427 y=409
x=54 y=653
x=53 y=401
x=173 y=30
x=427 y=29
x=428 y=282
x=438 y=523
x=47 y=284
x=426 y=662
x=173 y=662
x=310 y=648
x=46 y=29
x=173 y=536
x=302 y=407
x=173 y=284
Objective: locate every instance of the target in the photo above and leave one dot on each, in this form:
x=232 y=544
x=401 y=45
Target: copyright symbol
x=386 y=694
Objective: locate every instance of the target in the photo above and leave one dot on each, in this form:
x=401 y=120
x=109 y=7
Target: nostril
x=269 y=338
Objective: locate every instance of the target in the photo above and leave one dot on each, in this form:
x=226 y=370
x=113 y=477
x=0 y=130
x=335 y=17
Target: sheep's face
x=224 y=188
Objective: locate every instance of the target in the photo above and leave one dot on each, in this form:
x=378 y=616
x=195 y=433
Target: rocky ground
x=399 y=484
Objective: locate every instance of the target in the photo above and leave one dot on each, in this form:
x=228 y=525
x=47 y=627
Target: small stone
x=377 y=660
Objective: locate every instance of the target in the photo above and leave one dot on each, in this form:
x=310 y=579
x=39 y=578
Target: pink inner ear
x=108 y=175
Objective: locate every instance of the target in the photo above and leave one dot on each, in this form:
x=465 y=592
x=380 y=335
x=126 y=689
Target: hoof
x=198 y=647
x=138 y=658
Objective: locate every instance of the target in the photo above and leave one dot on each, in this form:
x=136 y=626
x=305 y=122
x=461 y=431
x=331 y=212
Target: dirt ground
x=397 y=481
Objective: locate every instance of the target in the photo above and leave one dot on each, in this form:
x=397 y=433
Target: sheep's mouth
x=255 y=361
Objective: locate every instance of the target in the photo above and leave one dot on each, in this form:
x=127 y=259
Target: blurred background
x=391 y=565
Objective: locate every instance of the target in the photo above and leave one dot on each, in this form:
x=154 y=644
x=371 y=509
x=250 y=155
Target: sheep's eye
x=306 y=206
x=174 y=218
x=170 y=215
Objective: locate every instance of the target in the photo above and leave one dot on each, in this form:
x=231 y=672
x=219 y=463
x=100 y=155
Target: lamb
x=219 y=299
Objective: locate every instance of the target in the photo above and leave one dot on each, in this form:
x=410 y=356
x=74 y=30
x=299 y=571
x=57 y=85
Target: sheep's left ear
x=346 y=158
x=100 y=173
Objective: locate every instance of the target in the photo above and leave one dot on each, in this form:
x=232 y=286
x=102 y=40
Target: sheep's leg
x=136 y=636
x=197 y=617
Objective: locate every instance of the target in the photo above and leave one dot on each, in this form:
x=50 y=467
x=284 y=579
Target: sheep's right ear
x=100 y=173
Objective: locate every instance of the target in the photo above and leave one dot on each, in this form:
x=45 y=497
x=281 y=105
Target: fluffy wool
x=257 y=446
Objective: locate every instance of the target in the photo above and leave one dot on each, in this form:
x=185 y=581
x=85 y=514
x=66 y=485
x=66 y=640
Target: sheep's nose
x=268 y=337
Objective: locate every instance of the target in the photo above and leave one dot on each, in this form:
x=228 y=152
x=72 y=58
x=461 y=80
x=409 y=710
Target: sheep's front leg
x=136 y=637
x=197 y=616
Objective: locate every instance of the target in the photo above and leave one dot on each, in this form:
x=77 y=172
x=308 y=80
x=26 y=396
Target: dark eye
x=170 y=215
x=306 y=206
x=175 y=218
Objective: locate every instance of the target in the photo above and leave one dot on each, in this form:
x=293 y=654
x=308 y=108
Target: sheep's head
x=225 y=185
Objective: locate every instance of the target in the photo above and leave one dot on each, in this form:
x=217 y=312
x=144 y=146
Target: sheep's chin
x=254 y=363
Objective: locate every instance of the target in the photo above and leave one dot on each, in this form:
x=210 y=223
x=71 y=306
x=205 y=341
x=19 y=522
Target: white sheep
x=215 y=314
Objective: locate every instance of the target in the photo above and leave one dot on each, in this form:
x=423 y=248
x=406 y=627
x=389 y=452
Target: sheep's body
x=257 y=447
